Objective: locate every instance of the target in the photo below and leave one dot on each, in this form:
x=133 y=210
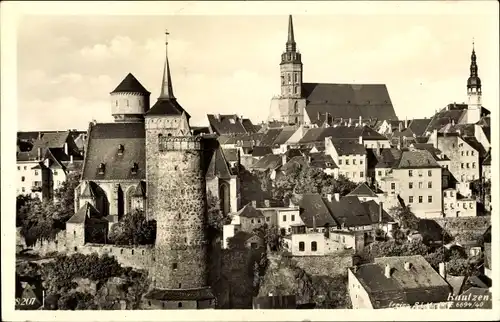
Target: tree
x=271 y=236
x=134 y=230
x=216 y=218
x=38 y=223
x=393 y=248
x=235 y=243
x=64 y=205
x=22 y=208
x=342 y=185
x=285 y=183
x=405 y=217
x=254 y=185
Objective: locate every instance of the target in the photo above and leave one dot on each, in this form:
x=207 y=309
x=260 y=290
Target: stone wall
x=467 y=228
x=329 y=265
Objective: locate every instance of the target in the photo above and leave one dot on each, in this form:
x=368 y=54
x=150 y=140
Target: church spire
x=167 y=91
x=474 y=81
x=290 y=44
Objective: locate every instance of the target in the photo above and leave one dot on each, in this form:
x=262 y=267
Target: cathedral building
x=316 y=103
x=150 y=158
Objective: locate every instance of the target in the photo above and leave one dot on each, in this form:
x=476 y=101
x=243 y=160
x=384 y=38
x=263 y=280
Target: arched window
x=296 y=78
x=302 y=246
x=179 y=304
x=296 y=106
x=314 y=246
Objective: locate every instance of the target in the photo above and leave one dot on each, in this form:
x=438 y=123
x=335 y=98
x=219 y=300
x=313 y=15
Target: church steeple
x=474 y=91
x=474 y=81
x=167 y=91
x=291 y=46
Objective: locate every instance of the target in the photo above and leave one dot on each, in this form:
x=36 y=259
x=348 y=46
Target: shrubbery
x=134 y=229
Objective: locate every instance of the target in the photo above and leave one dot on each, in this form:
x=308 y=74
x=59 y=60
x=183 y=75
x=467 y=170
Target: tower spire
x=290 y=44
x=167 y=91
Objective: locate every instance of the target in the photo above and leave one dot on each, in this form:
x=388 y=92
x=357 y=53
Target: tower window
x=289 y=78
x=179 y=304
x=174 y=266
x=135 y=168
x=102 y=168
x=120 y=149
x=127 y=103
x=296 y=78
x=295 y=89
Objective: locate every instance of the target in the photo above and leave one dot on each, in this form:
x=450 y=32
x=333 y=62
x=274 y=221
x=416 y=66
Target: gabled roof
x=218 y=166
x=341 y=132
x=89 y=191
x=86 y=212
x=260 y=151
x=284 y=135
x=130 y=84
x=463 y=129
x=446 y=116
x=270 y=136
x=348 y=101
x=140 y=189
x=312 y=206
x=244 y=236
x=249 y=211
x=268 y=162
x=417 y=159
x=231 y=155
x=249 y=127
x=294 y=163
x=418 y=126
x=387 y=158
x=373 y=210
x=322 y=161
x=228 y=124
x=348 y=147
x=349 y=211
x=362 y=190
x=294 y=153
x=102 y=147
x=167 y=107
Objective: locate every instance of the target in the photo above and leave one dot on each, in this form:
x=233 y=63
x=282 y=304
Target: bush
x=133 y=230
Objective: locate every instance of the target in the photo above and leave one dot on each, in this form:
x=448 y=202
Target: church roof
x=89 y=190
x=87 y=211
x=102 y=147
x=348 y=101
x=167 y=107
x=218 y=166
x=140 y=189
x=130 y=84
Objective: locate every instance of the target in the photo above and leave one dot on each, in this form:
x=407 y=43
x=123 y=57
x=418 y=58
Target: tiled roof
x=260 y=151
x=181 y=295
x=362 y=190
x=102 y=147
x=417 y=159
x=249 y=211
x=444 y=117
x=268 y=162
x=349 y=211
x=387 y=158
x=313 y=206
x=270 y=136
x=418 y=126
x=227 y=139
x=341 y=132
x=168 y=107
x=293 y=153
x=249 y=127
x=373 y=210
x=464 y=129
x=130 y=84
x=322 y=161
x=284 y=135
x=421 y=283
x=231 y=155
x=348 y=101
x=293 y=163
x=87 y=211
x=348 y=147
x=227 y=124
x=218 y=166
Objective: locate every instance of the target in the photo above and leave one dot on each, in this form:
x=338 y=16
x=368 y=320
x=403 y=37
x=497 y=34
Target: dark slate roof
x=362 y=190
x=348 y=147
x=231 y=155
x=218 y=166
x=260 y=151
x=322 y=161
x=387 y=158
x=87 y=211
x=249 y=211
x=249 y=127
x=227 y=124
x=284 y=135
x=341 y=132
x=243 y=236
x=293 y=163
x=52 y=140
x=227 y=139
x=293 y=153
x=268 y=162
x=349 y=211
x=373 y=210
x=181 y=295
x=348 y=101
x=418 y=126
x=270 y=136
x=200 y=130
x=487 y=132
x=463 y=129
x=313 y=206
x=167 y=107
x=417 y=159
x=444 y=117
x=275 y=302
x=130 y=84
x=102 y=147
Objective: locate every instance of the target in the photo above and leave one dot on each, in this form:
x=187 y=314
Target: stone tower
x=473 y=92
x=290 y=102
x=129 y=100
x=176 y=198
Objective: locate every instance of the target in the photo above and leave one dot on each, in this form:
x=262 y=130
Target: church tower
x=473 y=91
x=176 y=198
x=129 y=100
x=290 y=102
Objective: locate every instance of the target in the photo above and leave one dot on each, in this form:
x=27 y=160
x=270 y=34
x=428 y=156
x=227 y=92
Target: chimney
x=66 y=148
x=71 y=159
x=39 y=135
x=337 y=196
x=360 y=139
x=388 y=271
x=350 y=121
x=407 y=266
x=442 y=270
x=329 y=197
x=406 y=122
x=283 y=159
x=254 y=203
x=452 y=121
x=400 y=128
x=267 y=203
x=39 y=153
x=360 y=120
x=380 y=211
x=314 y=223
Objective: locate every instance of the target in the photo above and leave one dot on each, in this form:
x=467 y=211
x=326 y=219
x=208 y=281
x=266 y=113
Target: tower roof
x=130 y=84
x=474 y=80
x=291 y=46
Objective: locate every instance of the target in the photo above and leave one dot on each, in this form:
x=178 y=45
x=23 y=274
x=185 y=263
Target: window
x=393 y=186
x=296 y=78
x=174 y=265
x=231 y=121
x=180 y=285
x=379 y=173
x=289 y=79
x=473 y=165
x=361 y=174
x=420 y=185
x=420 y=199
x=472 y=153
x=22 y=189
x=295 y=90
x=354 y=161
x=470 y=205
x=410 y=173
x=419 y=173
x=258 y=221
x=445 y=193
x=429 y=199
x=464 y=205
x=429 y=173
x=253 y=221
x=346 y=161
x=23 y=178
x=127 y=103
x=25 y=168
x=268 y=218
x=55 y=172
x=314 y=246
x=462 y=165
x=410 y=185
x=429 y=184
x=361 y=161
x=74 y=234
x=293 y=217
x=340 y=161
x=284 y=217
x=451 y=193
x=179 y=304
x=467 y=153
x=301 y=246
x=462 y=153
x=467 y=165
x=36 y=172
x=410 y=199
x=18 y=168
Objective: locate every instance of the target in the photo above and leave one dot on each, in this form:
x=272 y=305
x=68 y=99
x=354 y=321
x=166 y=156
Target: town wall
x=329 y=265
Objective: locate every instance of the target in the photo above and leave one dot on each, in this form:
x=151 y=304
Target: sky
x=229 y=64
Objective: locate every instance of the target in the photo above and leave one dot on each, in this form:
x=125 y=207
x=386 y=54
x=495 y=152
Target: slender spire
x=474 y=81
x=167 y=92
x=290 y=44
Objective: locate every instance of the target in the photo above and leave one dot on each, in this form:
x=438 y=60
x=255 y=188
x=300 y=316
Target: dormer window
x=120 y=149
x=102 y=168
x=231 y=121
x=135 y=168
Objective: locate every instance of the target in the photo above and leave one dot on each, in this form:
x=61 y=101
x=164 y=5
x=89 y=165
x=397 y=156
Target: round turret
x=129 y=101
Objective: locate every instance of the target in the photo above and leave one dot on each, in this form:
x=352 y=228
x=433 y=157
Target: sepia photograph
x=250 y=157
